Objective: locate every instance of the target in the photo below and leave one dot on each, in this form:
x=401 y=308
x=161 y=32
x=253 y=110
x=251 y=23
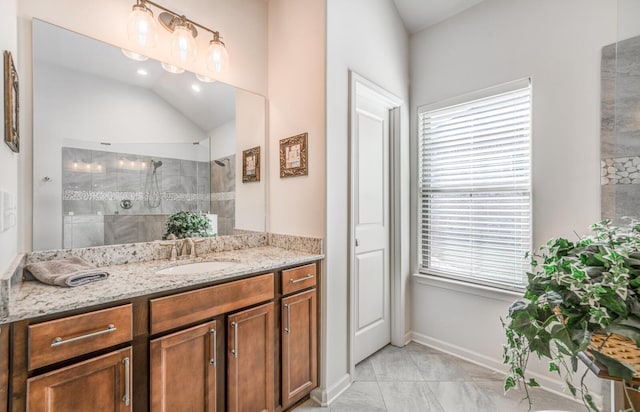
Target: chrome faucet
x=182 y=248
x=188 y=246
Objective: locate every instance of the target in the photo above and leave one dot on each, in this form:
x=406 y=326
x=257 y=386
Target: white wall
x=223 y=140
x=242 y=23
x=558 y=44
x=10 y=181
x=251 y=132
x=297 y=105
x=369 y=38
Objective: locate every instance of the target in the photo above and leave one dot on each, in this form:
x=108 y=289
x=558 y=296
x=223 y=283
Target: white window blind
x=475 y=187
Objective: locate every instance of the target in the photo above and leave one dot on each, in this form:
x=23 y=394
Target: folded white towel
x=69 y=272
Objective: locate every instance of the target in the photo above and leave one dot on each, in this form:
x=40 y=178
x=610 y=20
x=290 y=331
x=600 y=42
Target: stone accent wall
x=620 y=171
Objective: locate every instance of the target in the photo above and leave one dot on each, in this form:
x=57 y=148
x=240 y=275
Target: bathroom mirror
x=620 y=123
x=119 y=145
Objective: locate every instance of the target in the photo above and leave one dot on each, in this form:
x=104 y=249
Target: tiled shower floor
x=421 y=379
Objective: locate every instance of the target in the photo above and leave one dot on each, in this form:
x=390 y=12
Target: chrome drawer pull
x=288 y=310
x=127 y=382
x=59 y=341
x=214 y=347
x=234 y=351
x=309 y=276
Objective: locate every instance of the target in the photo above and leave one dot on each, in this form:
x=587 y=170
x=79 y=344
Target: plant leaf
x=614 y=367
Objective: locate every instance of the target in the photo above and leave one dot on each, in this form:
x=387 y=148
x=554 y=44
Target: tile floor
x=421 y=379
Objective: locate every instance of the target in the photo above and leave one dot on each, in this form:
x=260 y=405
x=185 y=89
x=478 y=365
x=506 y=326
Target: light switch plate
x=13 y=213
x=9 y=210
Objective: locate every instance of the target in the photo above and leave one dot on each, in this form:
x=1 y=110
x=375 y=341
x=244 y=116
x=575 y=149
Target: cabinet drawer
x=57 y=340
x=182 y=309
x=298 y=278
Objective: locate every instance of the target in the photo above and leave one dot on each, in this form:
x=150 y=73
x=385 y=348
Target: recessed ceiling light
x=142 y=72
x=196 y=88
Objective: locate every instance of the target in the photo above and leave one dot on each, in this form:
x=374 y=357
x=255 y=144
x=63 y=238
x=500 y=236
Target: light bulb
x=217 y=56
x=141 y=27
x=183 y=45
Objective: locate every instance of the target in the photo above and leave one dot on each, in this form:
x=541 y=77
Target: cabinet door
x=250 y=360
x=299 y=346
x=183 y=370
x=101 y=384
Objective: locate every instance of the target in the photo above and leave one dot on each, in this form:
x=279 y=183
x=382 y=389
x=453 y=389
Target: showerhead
x=222 y=162
x=156 y=164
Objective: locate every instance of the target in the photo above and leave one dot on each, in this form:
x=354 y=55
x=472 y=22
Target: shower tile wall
x=620 y=129
x=95 y=183
x=223 y=194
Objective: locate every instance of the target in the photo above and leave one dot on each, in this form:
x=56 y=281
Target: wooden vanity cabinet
x=183 y=369
x=298 y=334
x=73 y=363
x=246 y=345
x=4 y=367
x=250 y=370
x=101 y=384
x=299 y=346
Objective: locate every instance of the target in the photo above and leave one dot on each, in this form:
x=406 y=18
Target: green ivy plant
x=575 y=290
x=188 y=224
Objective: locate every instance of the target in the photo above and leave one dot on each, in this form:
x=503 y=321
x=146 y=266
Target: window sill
x=466 y=287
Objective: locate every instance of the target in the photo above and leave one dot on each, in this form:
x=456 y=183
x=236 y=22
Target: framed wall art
x=293 y=156
x=11 y=104
x=251 y=165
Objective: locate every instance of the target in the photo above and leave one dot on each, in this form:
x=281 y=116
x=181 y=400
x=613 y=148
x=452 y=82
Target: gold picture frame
x=293 y=156
x=11 y=104
x=251 y=165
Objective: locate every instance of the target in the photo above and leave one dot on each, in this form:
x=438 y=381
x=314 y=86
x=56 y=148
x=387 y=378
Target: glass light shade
x=217 y=57
x=205 y=79
x=183 y=45
x=141 y=27
x=134 y=56
x=171 y=68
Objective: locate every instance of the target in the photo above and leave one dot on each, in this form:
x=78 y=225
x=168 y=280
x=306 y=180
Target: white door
x=370 y=231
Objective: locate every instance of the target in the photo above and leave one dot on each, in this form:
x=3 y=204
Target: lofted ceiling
x=420 y=14
x=208 y=109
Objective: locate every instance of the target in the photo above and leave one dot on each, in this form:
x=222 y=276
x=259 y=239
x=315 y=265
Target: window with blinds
x=475 y=187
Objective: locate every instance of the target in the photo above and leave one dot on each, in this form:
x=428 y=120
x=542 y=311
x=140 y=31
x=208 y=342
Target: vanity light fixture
x=141 y=30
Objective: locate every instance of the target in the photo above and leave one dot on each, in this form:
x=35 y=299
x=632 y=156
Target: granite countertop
x=33 y=299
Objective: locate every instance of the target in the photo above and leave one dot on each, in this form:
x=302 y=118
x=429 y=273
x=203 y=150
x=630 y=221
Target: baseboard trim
x=408 y=337
x=325 y=396
x=555 y=386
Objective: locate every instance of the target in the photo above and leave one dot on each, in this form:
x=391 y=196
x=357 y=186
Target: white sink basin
x=198 y=267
